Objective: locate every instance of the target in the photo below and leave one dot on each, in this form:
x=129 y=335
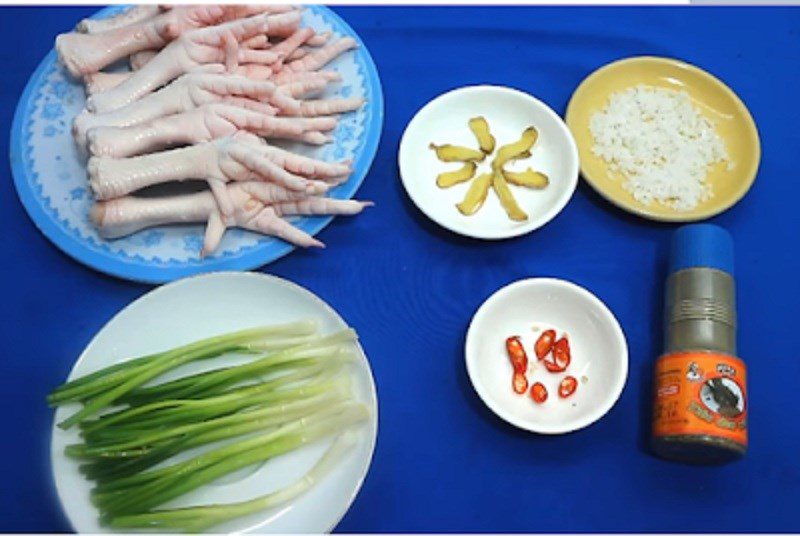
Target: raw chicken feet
x=207 y=85
x=243 y=157
x=188 y=92
x=206 y=123
x=214 y=44
x=258 y=207
x=88 y=53
x=129 y=16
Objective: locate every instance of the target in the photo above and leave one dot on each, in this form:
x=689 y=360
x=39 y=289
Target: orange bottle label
x=700 y=393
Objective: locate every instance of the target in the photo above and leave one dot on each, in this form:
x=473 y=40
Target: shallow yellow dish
x=730 y=116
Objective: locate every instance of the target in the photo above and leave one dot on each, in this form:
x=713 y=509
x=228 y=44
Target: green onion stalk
x=108 y=388
x=142 y=477
x=106 y=470
x=199 y=518
x=101 y=380
x=180 y=478
x=175 y=412
x=217 y=381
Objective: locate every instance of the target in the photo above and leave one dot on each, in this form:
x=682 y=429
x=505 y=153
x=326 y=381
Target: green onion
x=111 y=386
x=199 y=518
x=216 y=381
x=174 y=412
x=266 y=416
x=180 y=478
x=107 y=474
x=293 y=390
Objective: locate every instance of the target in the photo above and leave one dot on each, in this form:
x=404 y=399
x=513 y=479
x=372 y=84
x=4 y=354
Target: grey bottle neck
x=700 y=311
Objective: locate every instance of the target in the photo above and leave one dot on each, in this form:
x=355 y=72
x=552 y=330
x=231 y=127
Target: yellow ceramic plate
x=732 y=121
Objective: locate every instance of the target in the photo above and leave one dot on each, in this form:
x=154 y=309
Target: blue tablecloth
x=443 y=461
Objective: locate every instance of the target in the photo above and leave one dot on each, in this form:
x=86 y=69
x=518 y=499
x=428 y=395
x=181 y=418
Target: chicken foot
x=84 y=53
x=139 y=59
x=103 y=81
x=188 y=92
x=243 y=157
x=317 y=59
x=129 y=16
x=214 y=44
x=206 y=123
x=256 y=214
x=259 y=207
x=100 y=82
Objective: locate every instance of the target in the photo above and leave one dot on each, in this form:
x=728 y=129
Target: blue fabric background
x=443 y=462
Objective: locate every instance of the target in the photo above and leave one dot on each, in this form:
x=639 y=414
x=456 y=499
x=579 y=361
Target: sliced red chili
x=561 y=353
x=544 y=343
x=516 y=352
x=539 y=392
x=567 y=387
x=551 y=365
x=520 y=383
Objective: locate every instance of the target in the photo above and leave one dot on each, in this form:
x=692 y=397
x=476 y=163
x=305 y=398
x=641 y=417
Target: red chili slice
x=538 y=392
x=567 y=387
x=544 y=343
x=520 y=383
x=516 y=352
x=561 y=353
x=551 y=365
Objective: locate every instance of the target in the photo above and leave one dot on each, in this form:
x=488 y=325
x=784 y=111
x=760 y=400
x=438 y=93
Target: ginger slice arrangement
x=498 y=177
x=210 y=90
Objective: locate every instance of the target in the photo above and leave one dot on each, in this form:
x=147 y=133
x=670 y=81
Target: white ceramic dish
x=599 y=353
x=508 y=112
x=199 y=307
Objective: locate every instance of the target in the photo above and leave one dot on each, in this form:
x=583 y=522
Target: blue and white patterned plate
x=50 y=174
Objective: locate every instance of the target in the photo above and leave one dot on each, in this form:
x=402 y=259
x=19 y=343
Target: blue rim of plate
x=144 y=271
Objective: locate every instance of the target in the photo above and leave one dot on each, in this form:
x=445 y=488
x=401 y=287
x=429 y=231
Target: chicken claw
x=258 y=207
x=242 y=157
x=206 y=123
x=257 y=210
x=193 y=49
x=190 y=91
x=129 y=16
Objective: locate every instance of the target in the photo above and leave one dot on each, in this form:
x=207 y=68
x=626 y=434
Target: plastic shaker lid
x=701 y=246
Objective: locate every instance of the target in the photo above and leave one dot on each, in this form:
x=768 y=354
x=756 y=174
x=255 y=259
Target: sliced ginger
x=499 y=178
x=476 y=195
x=450 y=178
x=505 y=154
x=480 y=127
x=456 y=153
x=503 y=192
x=512 y=151
x=528 y=178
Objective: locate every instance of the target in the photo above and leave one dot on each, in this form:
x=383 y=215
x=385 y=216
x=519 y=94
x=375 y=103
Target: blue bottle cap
x=701 y=246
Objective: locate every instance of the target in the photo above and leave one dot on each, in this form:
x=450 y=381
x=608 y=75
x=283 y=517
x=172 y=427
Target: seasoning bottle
x=700 y=407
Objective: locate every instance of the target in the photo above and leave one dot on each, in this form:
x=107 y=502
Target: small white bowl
x=599 y=354
x=509 y=112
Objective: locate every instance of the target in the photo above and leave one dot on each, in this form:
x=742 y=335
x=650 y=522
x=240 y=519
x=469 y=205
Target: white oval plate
x=202 y=306
x=509 y=112
x=599 y=353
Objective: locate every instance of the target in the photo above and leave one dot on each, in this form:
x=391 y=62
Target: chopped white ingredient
x=661 y=143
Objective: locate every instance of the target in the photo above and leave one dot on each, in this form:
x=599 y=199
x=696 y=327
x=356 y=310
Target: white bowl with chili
x=546 y=355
